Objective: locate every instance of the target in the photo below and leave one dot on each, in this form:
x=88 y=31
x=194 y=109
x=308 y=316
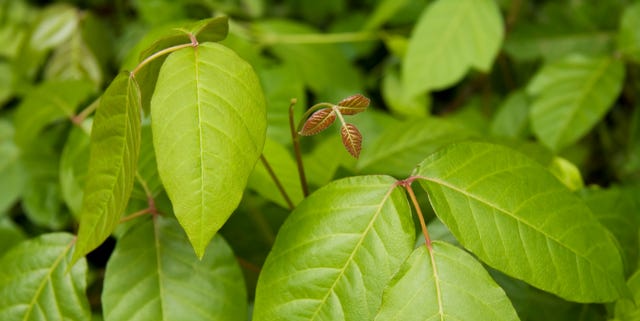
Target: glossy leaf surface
x=353 y=104
x=318 y=122
x=336 y=251
x=571 y=95
x=153 y=275
x=114 y=148
x=351 y=139
x=451 y=37
x=208 y=122
x=37 y=281
x=516 y=217
x=444 y=283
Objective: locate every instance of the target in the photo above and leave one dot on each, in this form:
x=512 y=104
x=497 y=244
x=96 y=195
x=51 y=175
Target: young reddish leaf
x=353 y=104
x=351 y=139
x=318 y=122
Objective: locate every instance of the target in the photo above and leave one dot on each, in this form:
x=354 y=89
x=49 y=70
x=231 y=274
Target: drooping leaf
x=351 y=139
x=444 y=283
x=207 y=135
x=353 y=104
x=38 y=282
x=152 y=275
x=12 y=174
x=336 y=251
x=284 y=167
x=318 y=121
x=629 y=33
x=451 y=37
x=516 y=217
x=571 y=95
x=400 y=148
x=114 y=148
x=50 y=101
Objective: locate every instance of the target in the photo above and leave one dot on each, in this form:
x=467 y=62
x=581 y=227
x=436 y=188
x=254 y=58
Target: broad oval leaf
x=152 y=275
x=114 y=148
x=401 y=147
x=351 y=139
x=518 y=218
x=54 y=26
x=571 y=95
x=444 y=283
x=336 y=251
x=318 y=121
x=37 y=281
x=208 y=122
x=451 y=37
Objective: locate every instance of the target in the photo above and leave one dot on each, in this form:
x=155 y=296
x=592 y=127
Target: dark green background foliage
x=139 y=141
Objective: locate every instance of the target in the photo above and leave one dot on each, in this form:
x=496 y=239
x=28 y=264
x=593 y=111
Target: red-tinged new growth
x=319 y=121
x=351 y=139
x=353 y=104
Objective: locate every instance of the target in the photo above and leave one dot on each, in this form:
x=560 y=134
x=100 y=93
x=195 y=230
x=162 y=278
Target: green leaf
x=54 y=26
x=115 y=144
x=571 y=96
x=152 y=275
x=613 y=207
x=12 y=173
x=74 y=60
x=147 y=167
x=10 y=235
x=400 y=148
x=629 y=34
x=285 y=169
x=627 y=309
x=567 y=173
x=38 y=281
x=444 y=283
x=48 y=102
x=516 y=217
x=512 y=118
x=451 y=37
x=74 y=164
x=398 y=101
x=336 y=251
x=207 y=135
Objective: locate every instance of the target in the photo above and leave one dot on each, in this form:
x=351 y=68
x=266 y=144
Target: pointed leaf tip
x=353 y=104
x=318 y=122
x=351 y=139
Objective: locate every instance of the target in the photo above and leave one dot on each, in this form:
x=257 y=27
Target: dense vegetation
x=319 y=160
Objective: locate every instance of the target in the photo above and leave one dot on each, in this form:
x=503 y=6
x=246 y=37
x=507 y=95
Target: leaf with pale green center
x=208 y=122
x=444 y=283
x=37 y=281
x=114 y=148
x=451 y=37
x=153 y=275
x=571 y=96
x=336 y=251
x=518 y=218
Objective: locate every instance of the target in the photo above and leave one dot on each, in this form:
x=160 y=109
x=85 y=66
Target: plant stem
x=277 y=181
x=80 y=117
x=407 y=185
x=296 y=148
x=163 y=52
x=318 y=38
x=136 y=214
x=310 y=111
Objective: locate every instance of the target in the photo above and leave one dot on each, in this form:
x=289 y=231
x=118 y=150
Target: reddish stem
x=407 y=185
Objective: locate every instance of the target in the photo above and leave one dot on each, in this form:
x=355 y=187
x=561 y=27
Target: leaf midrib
x=506 y=212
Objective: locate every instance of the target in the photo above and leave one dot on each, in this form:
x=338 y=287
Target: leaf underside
x=115 y=145
x=208 y=121
x=336 y=251
x=518 y=218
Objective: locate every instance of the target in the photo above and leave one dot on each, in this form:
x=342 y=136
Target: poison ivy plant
x=335 y=160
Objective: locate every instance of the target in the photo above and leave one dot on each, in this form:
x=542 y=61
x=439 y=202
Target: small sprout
x=318 y=122
x=353 y=104
x=351 y=139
